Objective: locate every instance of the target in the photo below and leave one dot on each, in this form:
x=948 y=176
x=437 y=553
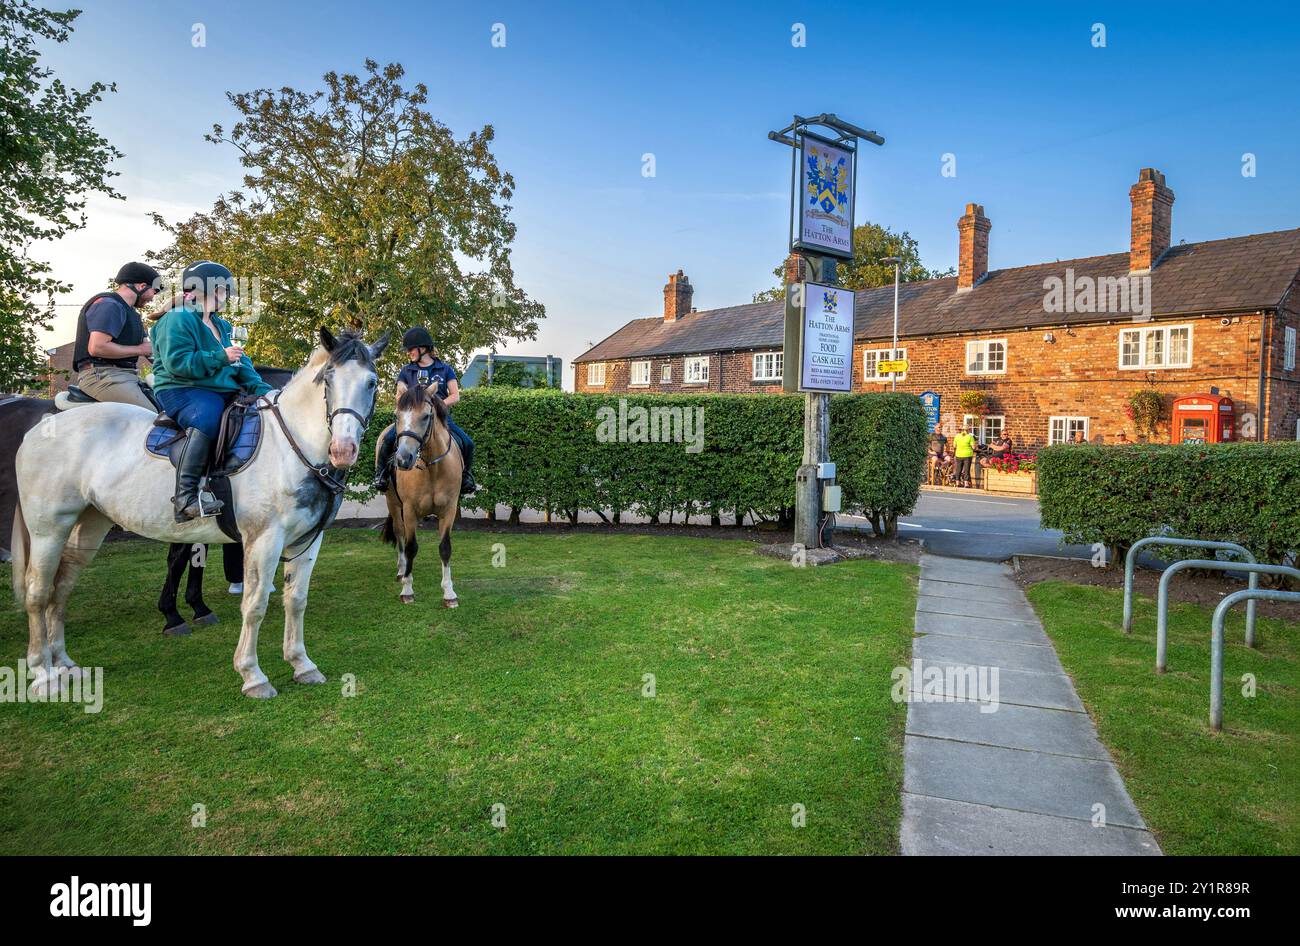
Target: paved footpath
x=1025 y=778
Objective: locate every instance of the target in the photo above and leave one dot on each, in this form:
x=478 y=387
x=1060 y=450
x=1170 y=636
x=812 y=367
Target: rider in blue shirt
x=426 y=370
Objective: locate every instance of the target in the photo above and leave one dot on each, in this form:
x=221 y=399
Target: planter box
x=998 y=481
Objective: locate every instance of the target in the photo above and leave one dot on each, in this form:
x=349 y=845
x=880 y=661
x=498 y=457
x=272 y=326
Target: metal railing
x=1162 y=600
x=1250 y=595
x=1130 y=562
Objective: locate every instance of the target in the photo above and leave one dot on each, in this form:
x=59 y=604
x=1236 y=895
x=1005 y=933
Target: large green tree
x=871 y=244
x=51 y=159
x=360 y=210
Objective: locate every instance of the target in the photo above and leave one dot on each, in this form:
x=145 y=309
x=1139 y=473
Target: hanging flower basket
x=973 y=402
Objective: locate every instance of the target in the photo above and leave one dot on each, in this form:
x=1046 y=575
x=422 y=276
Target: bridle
x=423 y=439
x=334 y=480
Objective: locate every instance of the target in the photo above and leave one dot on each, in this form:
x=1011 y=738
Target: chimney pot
x=1152 y=220
x=973 y=247
x=677 y=296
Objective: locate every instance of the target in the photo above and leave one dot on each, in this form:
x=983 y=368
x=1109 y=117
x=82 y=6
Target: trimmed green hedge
x=1235 y=492
x=549 y=450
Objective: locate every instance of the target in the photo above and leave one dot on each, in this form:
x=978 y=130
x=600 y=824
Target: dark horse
x=20 y=414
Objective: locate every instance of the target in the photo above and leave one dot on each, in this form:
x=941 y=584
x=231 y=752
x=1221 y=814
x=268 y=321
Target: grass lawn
x=1234 y=792
x=771 y=689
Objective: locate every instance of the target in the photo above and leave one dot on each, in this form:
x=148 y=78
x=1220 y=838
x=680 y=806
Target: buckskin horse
x=426 y=482
x=74 y=485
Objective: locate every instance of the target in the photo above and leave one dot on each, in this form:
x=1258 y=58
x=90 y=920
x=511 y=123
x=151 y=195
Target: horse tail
x=19 y=549
x=385 y=532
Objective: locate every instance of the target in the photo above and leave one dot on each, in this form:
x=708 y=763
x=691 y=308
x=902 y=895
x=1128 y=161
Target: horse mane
x=412 y=397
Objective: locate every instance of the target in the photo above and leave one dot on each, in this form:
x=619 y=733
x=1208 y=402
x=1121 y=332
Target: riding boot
x=383 y=467
x=467 y=484
x=190 y=501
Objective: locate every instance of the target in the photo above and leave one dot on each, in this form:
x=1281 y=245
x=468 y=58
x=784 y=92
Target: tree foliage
x=871 y=243
x=360 y=210
x=51 y=159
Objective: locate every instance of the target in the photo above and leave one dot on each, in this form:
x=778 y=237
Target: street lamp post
x=893 y=352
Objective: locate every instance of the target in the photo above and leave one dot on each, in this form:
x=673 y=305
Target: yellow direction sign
x=892 y=367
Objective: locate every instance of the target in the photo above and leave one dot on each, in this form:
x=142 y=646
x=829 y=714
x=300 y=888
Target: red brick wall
x=729 y=372
x=1078 y=375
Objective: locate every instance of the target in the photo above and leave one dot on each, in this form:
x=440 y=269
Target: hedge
x=1237 y=492
x=549 y=450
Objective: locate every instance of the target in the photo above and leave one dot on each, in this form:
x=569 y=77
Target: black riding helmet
x=133 y=273
x=204 y=276
x=417 y=337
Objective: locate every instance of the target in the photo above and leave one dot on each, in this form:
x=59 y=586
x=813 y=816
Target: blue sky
x=1048 y=131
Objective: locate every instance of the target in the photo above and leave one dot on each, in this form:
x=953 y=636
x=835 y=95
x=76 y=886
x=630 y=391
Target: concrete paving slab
x=1060 y=732
x=1013 y=778
x=985 y=610
x=930 y=622
x=938 y=826
x=966 y=591
x=964 y=651
x=963 y=576
x=1050 y=690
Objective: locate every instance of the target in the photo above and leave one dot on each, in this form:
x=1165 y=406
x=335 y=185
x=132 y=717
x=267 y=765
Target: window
x=1288 y=359
x=768 y=366
x=987 y=357
x=1063 y=429
x=696 y=370
x=872 y=357
x=1165 y=347
x=666 y=375
x=640 y=373
x=596 y=374
x=987 y=429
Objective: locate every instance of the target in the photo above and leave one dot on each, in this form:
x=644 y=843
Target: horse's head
x=351 y=380
x=418 y=409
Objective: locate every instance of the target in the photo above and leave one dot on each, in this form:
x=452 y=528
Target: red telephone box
x=1203 y=418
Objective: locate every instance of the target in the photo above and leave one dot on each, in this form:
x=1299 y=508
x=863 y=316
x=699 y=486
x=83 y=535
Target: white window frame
x=595 y=374
x=979 y=423
x=1066 y=421
x=776 y=359
x=980 y=347
x=1288 y=348
x=696 y=361
x=666 y=373
x=876 y=353
x=1146 y=332
x=636 y=368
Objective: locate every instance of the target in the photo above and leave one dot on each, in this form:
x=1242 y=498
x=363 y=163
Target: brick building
x=1055 y=348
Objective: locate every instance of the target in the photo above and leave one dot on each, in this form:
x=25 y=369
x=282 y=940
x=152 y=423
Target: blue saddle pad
x=166 y=442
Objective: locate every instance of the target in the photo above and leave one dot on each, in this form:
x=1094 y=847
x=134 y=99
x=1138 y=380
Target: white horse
x=80 y=472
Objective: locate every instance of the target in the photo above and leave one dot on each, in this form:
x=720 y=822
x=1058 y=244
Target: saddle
x=237 y=442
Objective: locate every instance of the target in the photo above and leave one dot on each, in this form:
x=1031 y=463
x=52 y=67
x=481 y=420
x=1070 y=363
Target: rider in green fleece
x=198 y=370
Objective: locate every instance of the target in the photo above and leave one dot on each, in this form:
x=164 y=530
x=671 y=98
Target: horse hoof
x=450 y=603
x=178 y=630
x=407 y=599
x=207 y=619
x=311 y=676
x=263 y=691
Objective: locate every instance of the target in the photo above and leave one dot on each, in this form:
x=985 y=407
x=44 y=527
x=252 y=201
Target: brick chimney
x=973 y=251
x=795 y=270
x=1152 y=220
x=677 y=296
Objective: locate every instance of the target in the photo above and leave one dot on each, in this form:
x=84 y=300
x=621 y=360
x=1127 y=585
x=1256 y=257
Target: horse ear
x=327 y=339
x=378 y=347
x=401 y=388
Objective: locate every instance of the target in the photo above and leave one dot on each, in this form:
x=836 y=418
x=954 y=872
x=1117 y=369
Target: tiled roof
x=1237 y=274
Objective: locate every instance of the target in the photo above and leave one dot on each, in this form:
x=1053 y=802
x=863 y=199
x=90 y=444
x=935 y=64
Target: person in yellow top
x=964 y=448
